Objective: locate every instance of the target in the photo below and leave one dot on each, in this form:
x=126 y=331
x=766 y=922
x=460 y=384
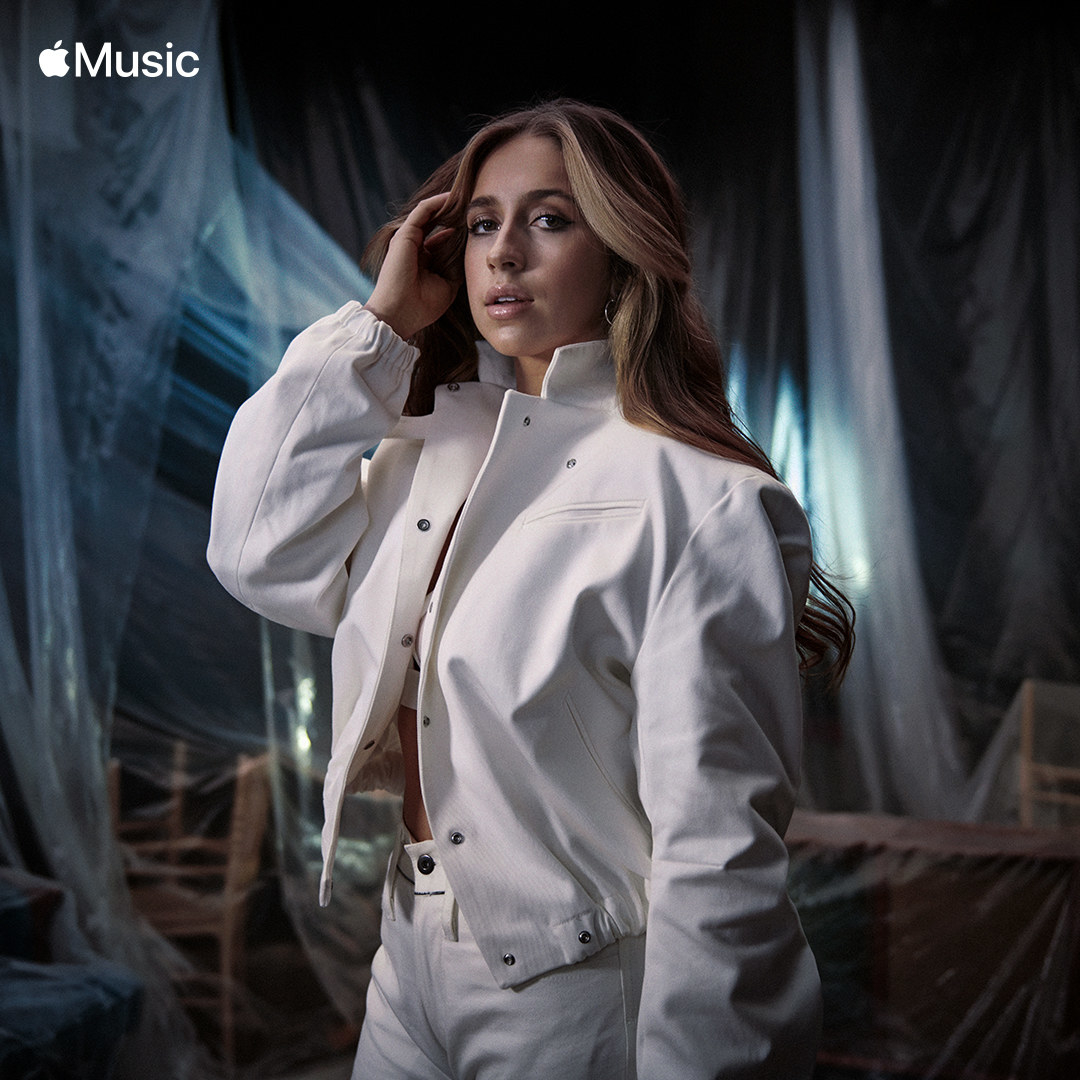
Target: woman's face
x=536 y=275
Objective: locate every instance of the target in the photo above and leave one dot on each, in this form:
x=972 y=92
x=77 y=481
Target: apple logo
x=52 y=62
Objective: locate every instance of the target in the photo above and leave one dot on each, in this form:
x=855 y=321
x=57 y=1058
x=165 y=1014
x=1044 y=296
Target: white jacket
x=611 y=719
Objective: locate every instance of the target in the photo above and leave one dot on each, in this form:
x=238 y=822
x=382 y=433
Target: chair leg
x=228 y=995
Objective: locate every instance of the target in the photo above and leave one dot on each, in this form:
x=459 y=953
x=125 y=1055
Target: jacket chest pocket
x=584 y=512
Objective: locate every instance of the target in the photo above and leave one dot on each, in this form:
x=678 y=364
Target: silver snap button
x=452 y=387
x=457 y=838
x=571 y=463
x=509 y=960
x=526 y=421
x=425 y=864
x=584 y=937
x=407 y=640
x=427 y=721
x=423 y=524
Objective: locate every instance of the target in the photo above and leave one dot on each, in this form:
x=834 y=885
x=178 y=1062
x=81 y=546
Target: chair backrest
x=156 y=822
x=178 y=786
x=1049 y=749
x=247 y=825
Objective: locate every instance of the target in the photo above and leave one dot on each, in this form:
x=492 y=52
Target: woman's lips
x=506 y=308
x=505 y=301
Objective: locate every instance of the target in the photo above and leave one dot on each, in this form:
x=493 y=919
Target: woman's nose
x=506 y=250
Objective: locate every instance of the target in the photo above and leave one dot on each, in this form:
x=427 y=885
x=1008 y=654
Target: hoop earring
x=609 y=311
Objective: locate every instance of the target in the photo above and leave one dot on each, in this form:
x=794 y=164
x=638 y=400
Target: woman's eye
x=481 y=226
x=552 y=221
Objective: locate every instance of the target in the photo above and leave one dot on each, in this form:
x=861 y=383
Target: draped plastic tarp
x=103 y=197
x=859 y=487
x=945 y=949
x=980 y=212
x=154 y=273
x=898 y=446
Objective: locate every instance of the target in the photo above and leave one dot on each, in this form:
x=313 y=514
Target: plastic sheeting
x=859 y=485
x=56 y=1016
x=946 y=949
x=980 y=215
x=96 y=230
x=896 y=281
x=152 y=275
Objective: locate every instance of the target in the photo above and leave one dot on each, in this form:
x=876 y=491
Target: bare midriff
x=413 y=811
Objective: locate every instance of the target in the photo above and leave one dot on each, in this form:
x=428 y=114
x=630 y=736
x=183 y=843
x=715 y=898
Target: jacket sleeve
x=730 y=987
x=288 y=505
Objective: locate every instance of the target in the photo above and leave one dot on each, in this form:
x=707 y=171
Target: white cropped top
x=411 y=691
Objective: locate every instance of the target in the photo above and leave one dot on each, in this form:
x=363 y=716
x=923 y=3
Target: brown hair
x=668 y=369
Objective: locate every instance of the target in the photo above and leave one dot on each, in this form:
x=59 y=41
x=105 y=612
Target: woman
x=568 y=600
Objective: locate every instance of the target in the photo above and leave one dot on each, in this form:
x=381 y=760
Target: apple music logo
x=152 y=64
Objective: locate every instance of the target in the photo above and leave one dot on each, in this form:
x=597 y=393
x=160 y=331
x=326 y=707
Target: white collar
x=579 y=374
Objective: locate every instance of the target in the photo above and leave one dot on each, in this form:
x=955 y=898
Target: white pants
x=434 y=1009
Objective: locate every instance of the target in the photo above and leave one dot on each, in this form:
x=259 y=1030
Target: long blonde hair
x=669 y=371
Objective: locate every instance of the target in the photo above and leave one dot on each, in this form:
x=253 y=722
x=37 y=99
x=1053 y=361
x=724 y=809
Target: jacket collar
x=579 y=374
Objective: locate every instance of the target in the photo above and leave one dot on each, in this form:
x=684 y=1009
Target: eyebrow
x=530 y=196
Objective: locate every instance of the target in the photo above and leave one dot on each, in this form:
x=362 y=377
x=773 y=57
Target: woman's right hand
x=408 y=294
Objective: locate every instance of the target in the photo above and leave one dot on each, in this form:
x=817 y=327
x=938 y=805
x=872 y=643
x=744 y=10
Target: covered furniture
x=58 y=1021
x=945 y=949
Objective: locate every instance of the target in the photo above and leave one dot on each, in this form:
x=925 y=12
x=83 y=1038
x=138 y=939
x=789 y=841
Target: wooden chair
x=199 y=887
x=163 y=821
x=1049 y=749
